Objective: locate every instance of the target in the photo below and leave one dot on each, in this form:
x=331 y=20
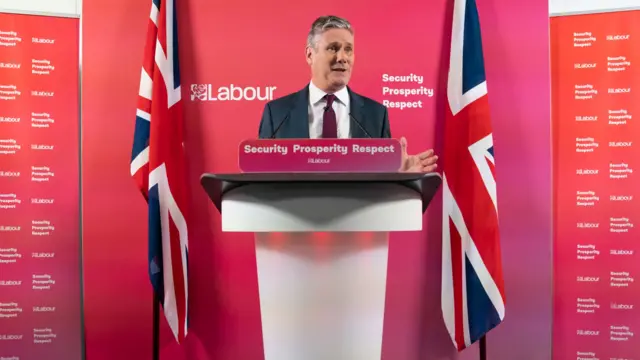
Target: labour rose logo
x=198 y=92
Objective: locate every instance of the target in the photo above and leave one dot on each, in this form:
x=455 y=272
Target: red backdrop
x=260 y=44
x=595 y=77
x=40 y=307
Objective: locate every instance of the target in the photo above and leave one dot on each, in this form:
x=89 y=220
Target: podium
x=321 y=253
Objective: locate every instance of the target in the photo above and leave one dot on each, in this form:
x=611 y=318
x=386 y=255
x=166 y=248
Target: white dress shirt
x=316 y=111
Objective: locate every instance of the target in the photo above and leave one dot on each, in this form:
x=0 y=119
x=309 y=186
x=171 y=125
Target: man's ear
x=308 y=54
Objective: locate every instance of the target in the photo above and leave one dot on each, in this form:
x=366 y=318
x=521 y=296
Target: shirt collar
x=315 y=94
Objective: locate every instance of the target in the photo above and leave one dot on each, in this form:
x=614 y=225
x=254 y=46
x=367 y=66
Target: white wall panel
x=565 y=7
x=52 y=7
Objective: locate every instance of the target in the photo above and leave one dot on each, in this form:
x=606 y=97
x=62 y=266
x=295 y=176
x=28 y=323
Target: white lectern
x=322 y=283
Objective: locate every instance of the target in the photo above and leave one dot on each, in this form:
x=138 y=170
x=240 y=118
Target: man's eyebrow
x=338 y=43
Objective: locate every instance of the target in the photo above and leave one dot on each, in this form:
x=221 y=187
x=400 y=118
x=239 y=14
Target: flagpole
x=156 y=327
x=483 y=348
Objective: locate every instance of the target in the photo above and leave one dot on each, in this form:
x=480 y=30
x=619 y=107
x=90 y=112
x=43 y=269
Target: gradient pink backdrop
x=261 y=44
x=567 y=321
x=63 y=187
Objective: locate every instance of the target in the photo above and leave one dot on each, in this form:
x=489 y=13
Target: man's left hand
x=423 y=162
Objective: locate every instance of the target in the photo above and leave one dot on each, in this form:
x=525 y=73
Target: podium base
x=322 y=295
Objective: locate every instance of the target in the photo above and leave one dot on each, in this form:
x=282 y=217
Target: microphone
x=275 y=132
x=360 y=125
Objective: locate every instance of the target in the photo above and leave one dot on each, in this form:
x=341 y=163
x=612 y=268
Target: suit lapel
x=298 y=126
x=357 y=112
x=299 y=116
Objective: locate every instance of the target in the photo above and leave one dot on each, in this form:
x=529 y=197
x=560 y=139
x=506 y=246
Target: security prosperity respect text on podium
x=322 y=284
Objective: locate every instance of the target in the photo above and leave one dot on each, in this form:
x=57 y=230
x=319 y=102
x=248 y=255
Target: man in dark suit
x=333 y=110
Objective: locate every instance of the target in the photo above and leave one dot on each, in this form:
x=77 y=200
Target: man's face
x=332 y=59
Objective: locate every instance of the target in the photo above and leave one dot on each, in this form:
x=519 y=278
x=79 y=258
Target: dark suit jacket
x=291 y=113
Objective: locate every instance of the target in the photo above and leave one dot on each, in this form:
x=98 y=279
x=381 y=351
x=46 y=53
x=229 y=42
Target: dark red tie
x=329 y=126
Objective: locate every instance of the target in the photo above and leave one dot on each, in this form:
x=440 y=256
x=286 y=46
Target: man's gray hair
x=325 y=23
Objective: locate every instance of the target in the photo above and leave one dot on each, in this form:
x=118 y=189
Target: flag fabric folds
x=472 y=297
x=158 y=165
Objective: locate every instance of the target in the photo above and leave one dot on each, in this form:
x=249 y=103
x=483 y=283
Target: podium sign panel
x=320 y=155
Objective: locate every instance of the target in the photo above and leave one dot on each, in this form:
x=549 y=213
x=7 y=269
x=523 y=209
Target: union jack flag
x=158 y=164
x=472 y=298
